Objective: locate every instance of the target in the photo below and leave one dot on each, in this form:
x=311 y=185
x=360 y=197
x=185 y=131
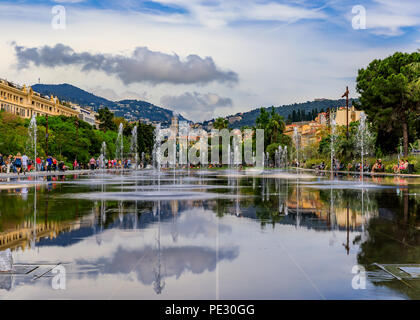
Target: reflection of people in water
x=377 y=179
x=400 y=181
x=6 y=281
x=24 y=193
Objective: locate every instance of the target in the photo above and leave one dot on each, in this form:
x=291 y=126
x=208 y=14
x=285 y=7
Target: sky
x=203 y=58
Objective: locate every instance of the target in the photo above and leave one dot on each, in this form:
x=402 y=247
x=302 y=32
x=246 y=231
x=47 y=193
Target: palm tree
x=275 y=126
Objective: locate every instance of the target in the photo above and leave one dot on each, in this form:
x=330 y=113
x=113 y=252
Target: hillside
x=132 y=110
x=248 y=118
x=137 y=109
x=74 y=94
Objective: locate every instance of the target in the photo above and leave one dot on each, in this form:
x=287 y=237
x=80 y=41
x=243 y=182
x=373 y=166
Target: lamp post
x=346 y=94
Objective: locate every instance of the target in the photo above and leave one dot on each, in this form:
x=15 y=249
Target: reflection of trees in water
x=116 y=211
x=393 y=238
x=15 y=210
x=24 y=221
x=388 y=221
x=273 y=199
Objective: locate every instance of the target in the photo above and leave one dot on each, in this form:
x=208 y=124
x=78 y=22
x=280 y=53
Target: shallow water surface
x=209 y=235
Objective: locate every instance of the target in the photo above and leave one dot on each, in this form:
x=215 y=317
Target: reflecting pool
x=210 y=235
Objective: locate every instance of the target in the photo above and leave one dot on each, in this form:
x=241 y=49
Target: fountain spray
x=332 y=145
x=133 y=146
x=120 y=144
x=32 y=132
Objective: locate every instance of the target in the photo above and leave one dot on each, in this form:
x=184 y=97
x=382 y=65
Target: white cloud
x=196 y=105
x=144 y=65
x=295 y=63
x=110 y=94
x=219 y=13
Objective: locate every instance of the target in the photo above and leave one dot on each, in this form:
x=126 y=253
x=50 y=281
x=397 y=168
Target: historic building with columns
x=25 y=102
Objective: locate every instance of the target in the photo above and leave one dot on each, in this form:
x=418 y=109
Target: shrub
x=313 y=162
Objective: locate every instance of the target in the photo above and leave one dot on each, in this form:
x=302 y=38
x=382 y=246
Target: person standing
x=25 y=160
x=8 y=163
x=49 y=163
x=18 y=163
x=92 y=163
x=38 y=164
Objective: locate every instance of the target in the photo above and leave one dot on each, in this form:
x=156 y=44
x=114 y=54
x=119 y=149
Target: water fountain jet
x=119 y=152
x=32 y=137
x=133 y=147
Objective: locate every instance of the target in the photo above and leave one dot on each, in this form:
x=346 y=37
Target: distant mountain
x=141 y=109
x=248 y=118
x=132 y=110
x=74 y=94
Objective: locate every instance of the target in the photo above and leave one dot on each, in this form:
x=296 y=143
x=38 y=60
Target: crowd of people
x=402 y=167
x=15 y=164
x=94 y=164
x=23 y=164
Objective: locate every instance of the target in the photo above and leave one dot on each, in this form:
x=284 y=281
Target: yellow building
x=341 y=114
x=309 y=132
x=24 y=102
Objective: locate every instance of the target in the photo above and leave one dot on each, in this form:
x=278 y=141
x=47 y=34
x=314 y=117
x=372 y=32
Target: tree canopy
x=68 y=138
x=273 y=125
x=390 y=95
x=106 y=118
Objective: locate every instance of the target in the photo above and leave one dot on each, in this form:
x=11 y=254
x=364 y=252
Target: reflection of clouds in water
x=190 y=225
x=175 y=261
x=6 y=281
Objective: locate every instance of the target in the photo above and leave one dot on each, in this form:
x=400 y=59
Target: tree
x=221 y=123
x=13 y=134
x=145 y=138
x=106 y=118
x=273 y=126
x=389 y=94
x=263 y=119
x=294 y=116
